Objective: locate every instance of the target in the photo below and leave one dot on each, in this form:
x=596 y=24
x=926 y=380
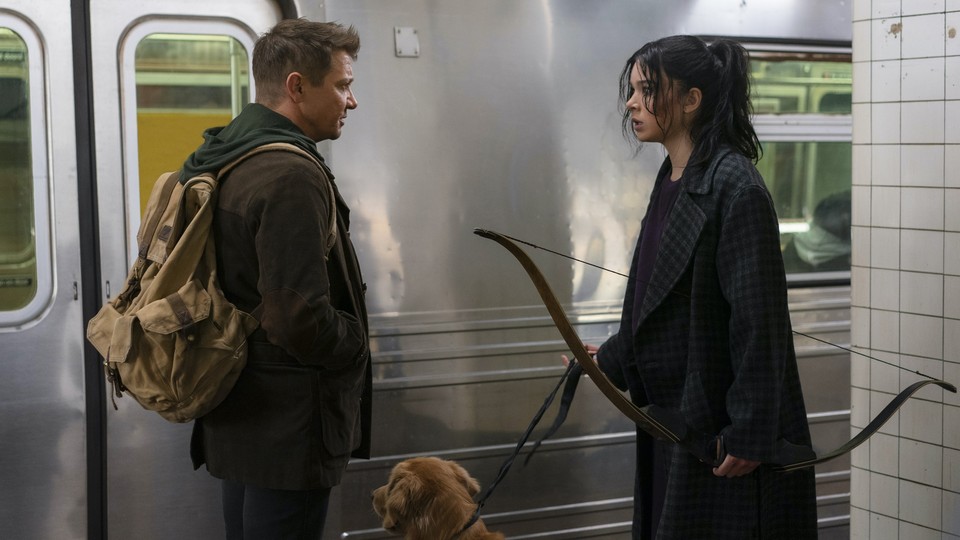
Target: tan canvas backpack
x=171 y=339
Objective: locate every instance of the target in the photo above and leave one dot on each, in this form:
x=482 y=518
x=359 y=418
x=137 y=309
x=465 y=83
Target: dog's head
x=426 y=498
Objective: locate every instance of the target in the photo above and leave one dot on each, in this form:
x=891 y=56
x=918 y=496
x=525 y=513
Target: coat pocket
x=702 y=405
x=340 y=393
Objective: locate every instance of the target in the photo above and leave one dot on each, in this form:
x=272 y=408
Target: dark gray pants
x=252 y=513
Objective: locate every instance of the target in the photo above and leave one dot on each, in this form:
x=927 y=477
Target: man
x=282 y=438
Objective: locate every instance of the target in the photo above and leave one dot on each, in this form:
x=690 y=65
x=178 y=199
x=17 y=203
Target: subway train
x=497 y=114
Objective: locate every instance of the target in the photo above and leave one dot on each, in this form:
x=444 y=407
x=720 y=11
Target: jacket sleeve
x=751 y=275
x=291 y=218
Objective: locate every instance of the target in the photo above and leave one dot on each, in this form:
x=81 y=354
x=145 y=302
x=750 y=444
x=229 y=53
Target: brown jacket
x=302 y=404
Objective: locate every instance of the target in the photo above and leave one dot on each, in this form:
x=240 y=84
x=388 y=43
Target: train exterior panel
x=499 y=114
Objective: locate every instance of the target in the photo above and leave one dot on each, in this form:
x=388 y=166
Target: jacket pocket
x=703 y=406
x=340 y=393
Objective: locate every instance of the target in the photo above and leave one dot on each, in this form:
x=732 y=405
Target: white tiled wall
x=905 y=480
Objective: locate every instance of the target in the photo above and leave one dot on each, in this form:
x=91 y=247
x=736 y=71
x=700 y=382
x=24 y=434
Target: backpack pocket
x=181 y=354
x=177 y=312
x=101 y=327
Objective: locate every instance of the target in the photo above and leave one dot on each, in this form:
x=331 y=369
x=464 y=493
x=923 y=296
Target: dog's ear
x=402 y=502
x=437 y=500
x=462 y=476
x=420 y=509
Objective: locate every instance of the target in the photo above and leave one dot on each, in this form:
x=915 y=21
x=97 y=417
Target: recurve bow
x=669 y=425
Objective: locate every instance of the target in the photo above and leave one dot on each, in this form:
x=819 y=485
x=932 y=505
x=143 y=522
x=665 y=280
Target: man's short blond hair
x=298 y=45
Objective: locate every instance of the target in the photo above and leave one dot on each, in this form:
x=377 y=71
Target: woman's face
x=647 y=126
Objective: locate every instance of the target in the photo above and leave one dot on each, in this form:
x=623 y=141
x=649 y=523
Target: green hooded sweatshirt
x=256 y=125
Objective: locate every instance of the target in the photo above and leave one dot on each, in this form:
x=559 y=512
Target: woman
x=705 y=328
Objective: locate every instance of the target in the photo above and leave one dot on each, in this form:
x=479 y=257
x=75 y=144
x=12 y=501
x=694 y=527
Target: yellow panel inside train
x=166 y=138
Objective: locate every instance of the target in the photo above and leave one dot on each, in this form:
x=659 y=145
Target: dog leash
x=572 y=376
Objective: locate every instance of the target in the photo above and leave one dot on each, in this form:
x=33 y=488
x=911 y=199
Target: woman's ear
x=692 y=100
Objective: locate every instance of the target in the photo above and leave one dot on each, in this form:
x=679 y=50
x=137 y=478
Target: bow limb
x=871 y=428
x=655 y=427
x=667 y=425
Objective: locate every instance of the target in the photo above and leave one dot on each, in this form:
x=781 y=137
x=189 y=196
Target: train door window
x=26 y=277
x=183 y=83
x=802 y=113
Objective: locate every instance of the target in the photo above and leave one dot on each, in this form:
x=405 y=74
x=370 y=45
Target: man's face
x=324 y=106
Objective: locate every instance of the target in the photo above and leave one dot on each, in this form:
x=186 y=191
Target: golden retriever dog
x=428 y=498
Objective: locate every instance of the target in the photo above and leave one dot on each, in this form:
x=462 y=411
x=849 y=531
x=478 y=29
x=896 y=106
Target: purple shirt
x=649 y=245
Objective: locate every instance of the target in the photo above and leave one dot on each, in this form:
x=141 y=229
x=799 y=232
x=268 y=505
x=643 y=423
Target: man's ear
x=692 y=100
x=294 y=86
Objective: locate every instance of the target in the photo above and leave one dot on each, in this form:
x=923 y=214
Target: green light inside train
x=18 y=262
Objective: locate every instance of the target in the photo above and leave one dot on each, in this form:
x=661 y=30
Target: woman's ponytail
x=731 y=122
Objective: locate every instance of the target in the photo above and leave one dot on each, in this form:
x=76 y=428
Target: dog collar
x=473 y=519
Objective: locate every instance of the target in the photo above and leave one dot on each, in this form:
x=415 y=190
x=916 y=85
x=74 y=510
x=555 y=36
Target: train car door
x=42 y=443
x=163 y=71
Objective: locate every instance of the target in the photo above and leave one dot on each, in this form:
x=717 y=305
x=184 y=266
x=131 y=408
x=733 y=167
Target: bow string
x=669 y=425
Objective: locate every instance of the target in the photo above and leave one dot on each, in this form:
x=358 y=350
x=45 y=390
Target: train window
x=802 y=112
x=185 y=83
x=25 y=263
x=18 y=277
x=801 y=83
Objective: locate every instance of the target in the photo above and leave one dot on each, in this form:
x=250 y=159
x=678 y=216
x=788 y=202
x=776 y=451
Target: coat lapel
x=680 y=236
x=679 y=240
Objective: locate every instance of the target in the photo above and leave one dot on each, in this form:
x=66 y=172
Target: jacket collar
x=701 y=179
x=681 y=233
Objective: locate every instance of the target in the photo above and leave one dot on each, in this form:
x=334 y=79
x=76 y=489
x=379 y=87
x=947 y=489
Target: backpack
x=171 y=339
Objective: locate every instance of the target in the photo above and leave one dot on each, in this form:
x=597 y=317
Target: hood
x=254 y=126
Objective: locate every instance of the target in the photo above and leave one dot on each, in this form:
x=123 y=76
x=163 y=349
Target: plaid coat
x=714 y=341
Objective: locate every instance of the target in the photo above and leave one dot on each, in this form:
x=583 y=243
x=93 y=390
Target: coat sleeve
x=609 y=358
x=291 y=222
x=751 y=275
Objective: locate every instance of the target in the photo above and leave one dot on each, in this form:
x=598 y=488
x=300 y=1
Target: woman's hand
x=591 y=349
x=733 y=466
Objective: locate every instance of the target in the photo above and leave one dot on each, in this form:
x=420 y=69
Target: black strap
x=574 y=371
x=526 y=435
x=187 y=328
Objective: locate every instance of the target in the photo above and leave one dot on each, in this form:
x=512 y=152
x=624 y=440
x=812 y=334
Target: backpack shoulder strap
x=156 y=205
x=270 y=147
x=327 y=183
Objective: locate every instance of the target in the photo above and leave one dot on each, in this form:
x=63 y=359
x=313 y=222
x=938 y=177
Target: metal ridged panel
x=471 y=402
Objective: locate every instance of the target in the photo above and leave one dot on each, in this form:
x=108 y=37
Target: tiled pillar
x=906 y=265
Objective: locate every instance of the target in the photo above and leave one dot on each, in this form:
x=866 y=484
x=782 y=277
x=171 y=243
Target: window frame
x=804 y=128
x=128 y=97
x=41 y=169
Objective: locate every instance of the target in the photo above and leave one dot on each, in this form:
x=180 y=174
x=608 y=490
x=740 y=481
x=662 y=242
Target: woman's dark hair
x=721 y=70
